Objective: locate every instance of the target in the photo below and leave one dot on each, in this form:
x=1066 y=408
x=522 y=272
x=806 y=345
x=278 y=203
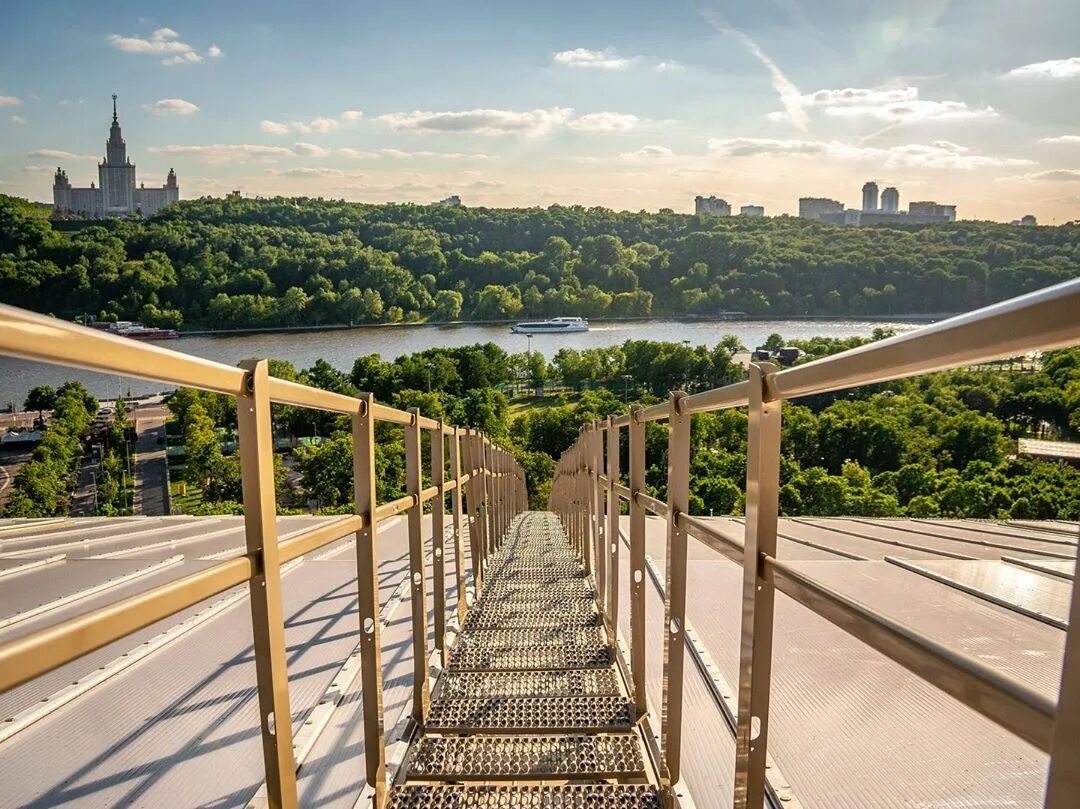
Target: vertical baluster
x=456 y=500
x=678 y=485
x=637 y=559
x=614 y=510
x=438 y=544
x=413 y=486
x=267 y=620
x=755 y=648
x=367 y=578
x=1064 y=781
x=596 y=441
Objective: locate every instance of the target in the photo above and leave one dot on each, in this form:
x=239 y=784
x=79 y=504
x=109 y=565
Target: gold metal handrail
x=486 y=492
x=1043 y=320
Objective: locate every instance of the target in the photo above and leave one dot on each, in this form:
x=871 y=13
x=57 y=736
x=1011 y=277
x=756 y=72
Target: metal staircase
x=532 y=709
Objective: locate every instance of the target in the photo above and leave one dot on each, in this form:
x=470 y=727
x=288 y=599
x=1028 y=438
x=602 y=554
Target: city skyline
x=627 y=107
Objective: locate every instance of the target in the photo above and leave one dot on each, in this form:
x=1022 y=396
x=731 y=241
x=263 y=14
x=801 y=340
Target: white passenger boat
x=555 y=324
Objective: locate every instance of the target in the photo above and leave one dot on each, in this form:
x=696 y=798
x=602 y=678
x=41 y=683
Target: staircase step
x=530 y=715
x=571 y=796
x=451 y=758
x=550 y=648
x=569 y=683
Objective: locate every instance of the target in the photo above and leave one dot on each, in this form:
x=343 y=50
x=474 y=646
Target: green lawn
x=183 y=503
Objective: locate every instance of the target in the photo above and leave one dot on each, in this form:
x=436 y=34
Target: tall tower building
x=115 y=193
x=890 y=200
x=116 y=174
x=870 y=196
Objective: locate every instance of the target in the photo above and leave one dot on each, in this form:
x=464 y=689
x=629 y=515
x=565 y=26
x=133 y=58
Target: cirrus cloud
x=171 y=106
x=1051 y=175
x=1061 y=139
x=60 y=154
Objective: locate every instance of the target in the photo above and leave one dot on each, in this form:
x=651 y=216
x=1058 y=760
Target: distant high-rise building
x=1028 y=220
x=931 y=212
x=890 y=200
x=870 y=196
x=816 y=207
x=752 y=210
x=452 y=201
x=713 y=206
x=116 y=193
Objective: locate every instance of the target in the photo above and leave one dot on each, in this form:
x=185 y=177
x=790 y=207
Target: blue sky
x=629 y=104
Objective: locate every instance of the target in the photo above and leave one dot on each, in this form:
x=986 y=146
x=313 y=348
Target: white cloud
x=649 y=152
x=310 y=150
x=319 y=126
x=356 y=154
x=1051 y=69
x=479 y=121
x=226 y=152
x=164 y=42
x=351 y=115
x=668 y=66
x=305 y=172
x=60 y=154
x=936 y=155
x=18 y=119
x=1061 y=139
x=402 y=154
x=9 y=101
x=899 y=105
x=1051 y=175
x=37 y=168
x=171 y=106
x=606 y=59
x=188 y=58
x=605 y=122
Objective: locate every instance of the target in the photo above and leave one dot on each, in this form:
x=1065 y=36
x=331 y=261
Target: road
x=151 y=480
x=10 y=462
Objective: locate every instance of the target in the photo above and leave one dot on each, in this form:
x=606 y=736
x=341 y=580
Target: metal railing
x=485 y=484
x=587 y=495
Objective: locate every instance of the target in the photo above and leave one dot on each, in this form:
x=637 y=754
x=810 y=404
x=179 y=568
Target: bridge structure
x=532 y=686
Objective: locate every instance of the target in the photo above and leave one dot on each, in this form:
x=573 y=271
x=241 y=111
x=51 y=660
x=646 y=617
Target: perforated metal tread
x=580 y=612
x=451 y=758
x=584 y=796
x=548 y=648
x=530 y=714
x=567 y=683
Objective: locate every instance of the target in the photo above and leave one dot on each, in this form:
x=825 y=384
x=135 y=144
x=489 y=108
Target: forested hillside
x=235 y=262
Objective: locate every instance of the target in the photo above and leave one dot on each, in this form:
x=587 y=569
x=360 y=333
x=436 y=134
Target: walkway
x=531 y=694
x=150 y=467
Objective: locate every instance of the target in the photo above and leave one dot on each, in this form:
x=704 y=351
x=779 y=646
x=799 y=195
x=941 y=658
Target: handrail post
x=413 y=487
x=613 y=525
x=755 y=648
x=367 y=578
x=598 y=511
x=1063 y=784
x=267 y=618
x=455 y=500
x=438 y=543
x=678 y=486
x=637 y=560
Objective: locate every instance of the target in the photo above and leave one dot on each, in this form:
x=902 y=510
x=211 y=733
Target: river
x=340 y=348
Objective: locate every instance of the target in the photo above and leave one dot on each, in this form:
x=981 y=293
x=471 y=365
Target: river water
x=340 y=348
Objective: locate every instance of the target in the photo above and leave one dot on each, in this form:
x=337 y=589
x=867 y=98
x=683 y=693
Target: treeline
x=236 y=262
x=43 y=485
x=940 y=445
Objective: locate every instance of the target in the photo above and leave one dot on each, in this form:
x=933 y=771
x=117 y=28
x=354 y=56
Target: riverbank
x=733 y=318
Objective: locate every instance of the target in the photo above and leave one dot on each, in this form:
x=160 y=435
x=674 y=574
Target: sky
x=629 y=105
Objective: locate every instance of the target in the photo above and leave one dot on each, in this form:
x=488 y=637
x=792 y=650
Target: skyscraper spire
x=114 y=109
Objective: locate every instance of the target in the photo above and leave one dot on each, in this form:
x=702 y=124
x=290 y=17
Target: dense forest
x=939 y=445
x=232 y=262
